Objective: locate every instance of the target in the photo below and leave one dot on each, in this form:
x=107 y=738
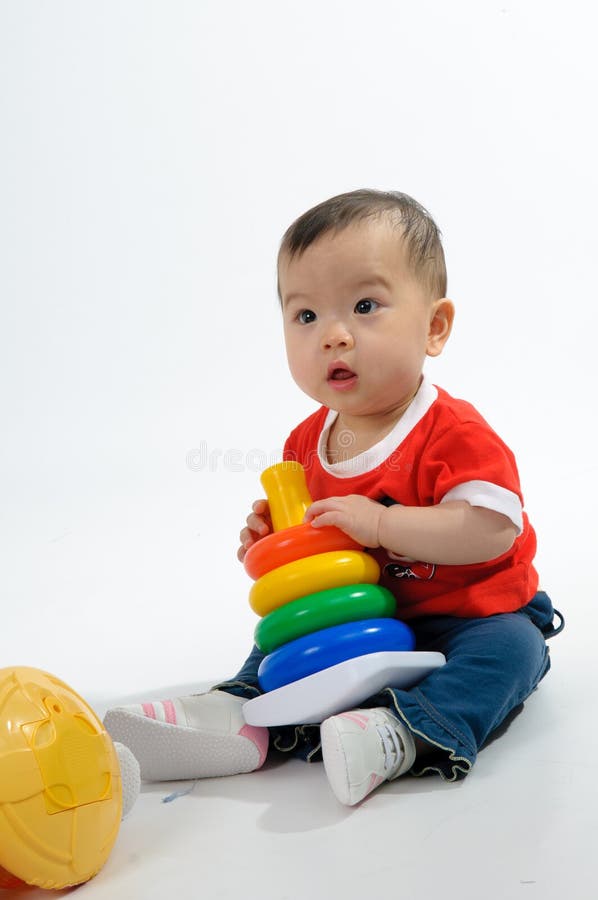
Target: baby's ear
x=442 y=313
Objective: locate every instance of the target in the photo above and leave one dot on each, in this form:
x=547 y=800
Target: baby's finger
x=319 y=507
x=241 y=552
x=258 y=525
x=332 y=517
x=262 y=509
x=248 y=539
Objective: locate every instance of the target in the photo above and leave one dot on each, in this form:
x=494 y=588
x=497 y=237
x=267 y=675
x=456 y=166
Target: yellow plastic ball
x=60 y=784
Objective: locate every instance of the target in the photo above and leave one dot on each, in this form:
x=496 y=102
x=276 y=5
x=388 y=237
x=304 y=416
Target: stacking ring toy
x=298 y=541
x=327 y=630
x=322 y=649
x=323 y=610
x=316 y=573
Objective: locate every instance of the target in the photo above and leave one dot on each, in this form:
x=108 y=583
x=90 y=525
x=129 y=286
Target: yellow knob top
x=287 y=493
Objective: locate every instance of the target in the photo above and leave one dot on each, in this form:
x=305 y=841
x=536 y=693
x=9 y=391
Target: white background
x=151 y=155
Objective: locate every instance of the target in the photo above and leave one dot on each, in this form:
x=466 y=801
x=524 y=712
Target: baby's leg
x=200 y=736
x=493 y=665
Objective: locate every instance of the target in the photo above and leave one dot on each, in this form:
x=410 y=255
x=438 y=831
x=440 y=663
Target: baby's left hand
x=357 y=516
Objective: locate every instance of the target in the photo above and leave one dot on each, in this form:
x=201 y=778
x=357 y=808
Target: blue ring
x=329 y=646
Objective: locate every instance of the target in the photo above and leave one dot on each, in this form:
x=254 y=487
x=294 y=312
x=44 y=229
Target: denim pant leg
x=245 y=683
x=493 y=665
x=301 y=740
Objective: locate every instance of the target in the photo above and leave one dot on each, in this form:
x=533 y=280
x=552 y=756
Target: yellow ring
x=316 y=573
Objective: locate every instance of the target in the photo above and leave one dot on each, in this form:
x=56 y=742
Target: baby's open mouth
x=340 y=375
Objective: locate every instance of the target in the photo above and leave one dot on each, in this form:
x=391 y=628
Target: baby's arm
x=452 y=533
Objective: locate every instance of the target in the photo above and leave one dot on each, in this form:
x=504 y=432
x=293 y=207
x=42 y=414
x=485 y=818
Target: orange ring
x=285 y=546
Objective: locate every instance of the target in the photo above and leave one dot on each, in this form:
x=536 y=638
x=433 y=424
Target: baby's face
x=357 y=324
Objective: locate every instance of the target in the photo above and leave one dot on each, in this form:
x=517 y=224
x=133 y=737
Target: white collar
x=374 y=456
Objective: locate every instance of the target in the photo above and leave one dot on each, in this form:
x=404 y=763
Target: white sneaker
x=130 y=777
x=202 y=736
x=363 y=748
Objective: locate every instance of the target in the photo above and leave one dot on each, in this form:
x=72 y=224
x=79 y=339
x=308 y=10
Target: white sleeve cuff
x=490 y=496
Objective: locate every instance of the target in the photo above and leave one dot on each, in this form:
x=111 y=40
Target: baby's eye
x=306 y=316
x=365 y=306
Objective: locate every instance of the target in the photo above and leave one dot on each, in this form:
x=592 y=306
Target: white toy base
x=338 y=688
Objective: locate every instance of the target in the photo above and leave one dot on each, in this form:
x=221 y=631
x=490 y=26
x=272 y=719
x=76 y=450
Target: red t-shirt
x=441 y=449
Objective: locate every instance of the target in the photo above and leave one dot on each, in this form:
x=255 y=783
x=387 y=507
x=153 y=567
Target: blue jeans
x=492 y=665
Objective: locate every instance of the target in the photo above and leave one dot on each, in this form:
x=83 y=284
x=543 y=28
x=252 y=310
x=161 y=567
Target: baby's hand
x=259 y=524
x=357 y=516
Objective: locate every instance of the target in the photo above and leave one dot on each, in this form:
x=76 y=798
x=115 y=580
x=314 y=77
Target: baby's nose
x=337 y=335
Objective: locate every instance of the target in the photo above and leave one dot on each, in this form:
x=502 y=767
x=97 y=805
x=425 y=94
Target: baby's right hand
x=259 y=524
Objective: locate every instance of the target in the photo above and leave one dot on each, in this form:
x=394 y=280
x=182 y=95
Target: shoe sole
x=130 y=776
x=335 y=763
x=174 y=752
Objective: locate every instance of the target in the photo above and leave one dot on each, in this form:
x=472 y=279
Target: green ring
x=323 y=610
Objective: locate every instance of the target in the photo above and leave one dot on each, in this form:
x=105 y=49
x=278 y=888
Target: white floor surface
x=522 y=825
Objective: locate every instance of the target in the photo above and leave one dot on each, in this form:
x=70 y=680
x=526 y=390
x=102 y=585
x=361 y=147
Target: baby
x=414 y=475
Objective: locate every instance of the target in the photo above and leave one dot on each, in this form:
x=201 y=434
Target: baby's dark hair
x=416 y=226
